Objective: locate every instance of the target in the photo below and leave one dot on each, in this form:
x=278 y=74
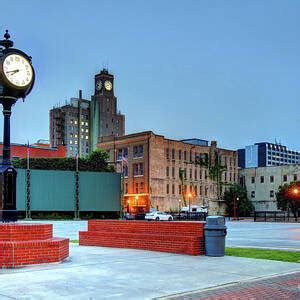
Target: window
x=136 y=169
x=184 y=173
x=253 y=194
x=173 y=172
x=125 y=171
x=200 y=174
x=272 y=194
x=167 y=153
x=191 y=188
x=284 y=177
x=135 y=151
x=179 y=189
x=200 y=190
x=167 y=188
x=295 y=177
x=126 y=188
x=196 y=174
x=184 y=155
x=141 y=165
x=191 y=155
x=167 y=171
x=173 y=153
x=141 y=150
x=142 y=186
x=191 y=173
x=205 y=174
x=262 y=179
x=196 y=190
x=179 y=154
x=271 y=178
x=136 y=188
x=252 y=179
x=173 y=189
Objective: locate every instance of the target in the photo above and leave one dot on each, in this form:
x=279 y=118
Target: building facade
x=106 y=120
x=69 y=126
x=266 y=154
x=152 y=164
x=263 y=183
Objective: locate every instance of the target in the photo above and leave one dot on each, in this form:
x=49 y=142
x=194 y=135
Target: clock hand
x=13 y=72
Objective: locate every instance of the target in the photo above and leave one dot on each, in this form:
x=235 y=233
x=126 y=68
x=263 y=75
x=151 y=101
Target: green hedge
x=97 y=161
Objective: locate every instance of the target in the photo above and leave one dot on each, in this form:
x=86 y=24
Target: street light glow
x=189 y=195
x=295 y=191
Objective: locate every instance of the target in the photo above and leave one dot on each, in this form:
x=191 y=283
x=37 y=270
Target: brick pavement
x=275 y=288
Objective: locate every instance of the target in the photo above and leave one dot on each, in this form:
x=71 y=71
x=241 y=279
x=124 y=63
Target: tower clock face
x=98 y=85
x=108 y=85
x=17 y=70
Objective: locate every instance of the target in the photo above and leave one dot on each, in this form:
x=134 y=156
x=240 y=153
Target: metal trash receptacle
x=215 y=232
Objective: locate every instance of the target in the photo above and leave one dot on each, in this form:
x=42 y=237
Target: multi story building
x=69 y=126
x=266 y=154
x=105 y=118
x=152 y=167
x=263 y=183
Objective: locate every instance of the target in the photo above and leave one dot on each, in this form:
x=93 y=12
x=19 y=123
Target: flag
x=124 y=159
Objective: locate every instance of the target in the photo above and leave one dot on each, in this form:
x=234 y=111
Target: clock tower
x=105 y=119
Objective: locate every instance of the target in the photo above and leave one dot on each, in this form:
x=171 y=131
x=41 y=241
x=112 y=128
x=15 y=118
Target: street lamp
x=16 y=81
x=235 y=203
x=189 y=197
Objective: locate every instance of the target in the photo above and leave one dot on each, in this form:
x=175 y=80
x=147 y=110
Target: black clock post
x=16 y=81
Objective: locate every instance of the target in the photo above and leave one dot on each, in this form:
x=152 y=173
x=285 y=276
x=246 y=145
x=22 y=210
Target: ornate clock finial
x=6 y=35
x=7 y=43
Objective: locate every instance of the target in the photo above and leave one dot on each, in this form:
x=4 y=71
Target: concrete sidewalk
x=97 y=273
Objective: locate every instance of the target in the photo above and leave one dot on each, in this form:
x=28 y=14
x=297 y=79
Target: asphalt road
x=261 y=234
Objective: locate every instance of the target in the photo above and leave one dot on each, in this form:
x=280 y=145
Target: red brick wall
x=25 y=244
x=175 y=237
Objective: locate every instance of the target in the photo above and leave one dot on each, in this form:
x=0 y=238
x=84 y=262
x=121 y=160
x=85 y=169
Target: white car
x=158 y=216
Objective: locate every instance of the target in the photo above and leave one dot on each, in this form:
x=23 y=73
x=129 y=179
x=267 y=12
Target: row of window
x=138 y=188
x=184 y=155
x=271 y=194
x=284 y=178
x=202 y=174
x=138 y=151
x=75 y=122
x=138 y=170
x=170 y=189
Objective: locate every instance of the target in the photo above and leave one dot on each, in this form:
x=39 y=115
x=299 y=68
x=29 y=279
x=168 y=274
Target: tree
x=244 y=205
x=286 y=199
x=97 y=161
x=215 y=169
x=181 y=177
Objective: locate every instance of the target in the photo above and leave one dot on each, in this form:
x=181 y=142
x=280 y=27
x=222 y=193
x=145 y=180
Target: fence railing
x=190 y=216
x=275 y=216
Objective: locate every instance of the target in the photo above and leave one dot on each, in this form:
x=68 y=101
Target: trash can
x=215 y=232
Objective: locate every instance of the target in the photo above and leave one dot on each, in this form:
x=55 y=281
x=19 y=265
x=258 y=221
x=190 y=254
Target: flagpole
x=28 y=204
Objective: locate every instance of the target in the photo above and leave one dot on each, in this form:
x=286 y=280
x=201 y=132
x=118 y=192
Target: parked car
x=128 y=216
x=194 y=209
x=158 y=216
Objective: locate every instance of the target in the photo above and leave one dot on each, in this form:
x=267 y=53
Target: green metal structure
x=52 y=190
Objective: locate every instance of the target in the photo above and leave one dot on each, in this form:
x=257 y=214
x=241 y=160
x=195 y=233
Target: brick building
x=35 y=150
x=152 y=164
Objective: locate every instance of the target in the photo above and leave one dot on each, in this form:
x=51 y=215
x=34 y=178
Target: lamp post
x=16 y=81
x=235 y=203
x=296 y=192
x=189 y=197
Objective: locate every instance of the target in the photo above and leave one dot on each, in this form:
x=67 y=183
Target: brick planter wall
x=174 y=237
x=26 y=244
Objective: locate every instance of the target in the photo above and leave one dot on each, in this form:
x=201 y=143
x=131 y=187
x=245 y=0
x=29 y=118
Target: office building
x=266 y=154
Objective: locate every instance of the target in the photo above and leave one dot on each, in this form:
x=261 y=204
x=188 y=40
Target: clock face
x=98 y=85
x=17 y=70
x=108 y=85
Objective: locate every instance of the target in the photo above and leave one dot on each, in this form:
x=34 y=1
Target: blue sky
x=224 y=70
